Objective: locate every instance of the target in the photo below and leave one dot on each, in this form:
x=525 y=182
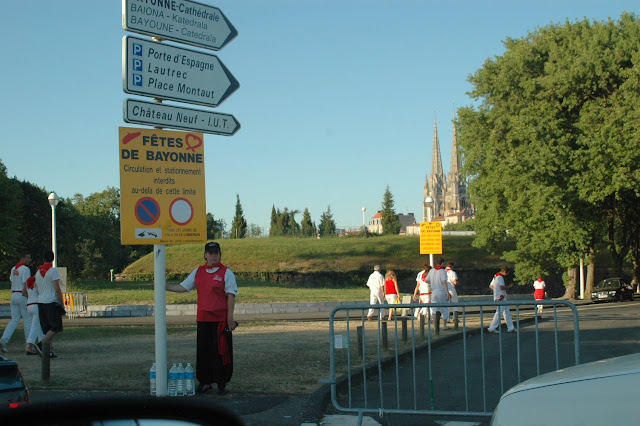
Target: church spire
x=455 y=158
x=436 y=160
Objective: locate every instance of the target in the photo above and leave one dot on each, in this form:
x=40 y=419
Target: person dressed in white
x=30 y=291
x=539 y=292
x=50 y=310
x=19 y=275
x=376 y=287
x=500 y=295
x=423 y=289
x=452 y=282
x=437 y=277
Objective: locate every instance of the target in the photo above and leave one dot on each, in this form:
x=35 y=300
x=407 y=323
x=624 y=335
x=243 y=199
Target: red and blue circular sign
x=147 y=211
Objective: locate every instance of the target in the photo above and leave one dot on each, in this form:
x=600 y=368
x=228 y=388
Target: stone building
x=449 y=192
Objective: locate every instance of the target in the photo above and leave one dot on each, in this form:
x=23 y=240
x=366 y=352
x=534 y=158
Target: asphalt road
x=606 y=330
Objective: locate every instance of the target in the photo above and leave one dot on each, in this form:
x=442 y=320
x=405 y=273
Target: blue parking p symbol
x=137 y=80
x=137 y=49
x=137 y=64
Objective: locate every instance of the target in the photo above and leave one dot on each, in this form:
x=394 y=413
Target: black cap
x=212 y=247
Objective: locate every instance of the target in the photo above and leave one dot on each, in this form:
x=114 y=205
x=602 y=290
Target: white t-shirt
x=498 y=294
x=46 y=289
x=230 y=284
x=423 y=285
x=18 y=277
x=539 y=285
x=451 y=277
x=375 y=281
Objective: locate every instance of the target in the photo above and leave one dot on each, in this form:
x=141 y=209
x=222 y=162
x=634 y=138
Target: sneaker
x=492 y=331
x=52 y=355
x=222 y=389
x=203 y=388
x=3 y=347
x=513 y=330
x=32 y=353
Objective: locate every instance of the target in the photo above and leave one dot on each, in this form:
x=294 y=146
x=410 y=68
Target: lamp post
x=364 y=209
x=429 y=202
x=53 y=201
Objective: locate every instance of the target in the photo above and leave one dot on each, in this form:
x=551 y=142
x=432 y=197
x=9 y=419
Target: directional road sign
x=183 y=21
x=174 y=117
x=168 y=72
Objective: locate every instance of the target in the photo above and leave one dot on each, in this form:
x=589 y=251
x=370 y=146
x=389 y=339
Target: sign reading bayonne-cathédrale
x=183 y=21
x=162 y=187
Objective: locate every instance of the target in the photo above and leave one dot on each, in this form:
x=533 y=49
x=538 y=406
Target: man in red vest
x=217 y=290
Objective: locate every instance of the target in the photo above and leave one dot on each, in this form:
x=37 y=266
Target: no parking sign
x=162 y=190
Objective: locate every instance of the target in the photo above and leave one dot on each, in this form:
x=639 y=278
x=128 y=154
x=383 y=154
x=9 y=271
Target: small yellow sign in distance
x=430 y=238
x=162 y=187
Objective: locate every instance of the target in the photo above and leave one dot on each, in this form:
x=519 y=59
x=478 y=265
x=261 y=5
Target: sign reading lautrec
x=167 y=72
x=162 y=187
x=183 y=21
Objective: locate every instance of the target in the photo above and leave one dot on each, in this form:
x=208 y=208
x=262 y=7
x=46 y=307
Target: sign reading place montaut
x=183 y=21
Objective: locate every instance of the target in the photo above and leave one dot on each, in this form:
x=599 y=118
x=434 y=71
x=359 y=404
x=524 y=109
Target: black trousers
x=209 y=366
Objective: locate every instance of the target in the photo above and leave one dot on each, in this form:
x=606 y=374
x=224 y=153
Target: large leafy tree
x=239 y=225
x=215 y=228
x=390 y=223
x=550 y=147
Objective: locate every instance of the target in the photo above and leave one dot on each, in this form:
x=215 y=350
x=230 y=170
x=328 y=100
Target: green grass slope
x=309 y=255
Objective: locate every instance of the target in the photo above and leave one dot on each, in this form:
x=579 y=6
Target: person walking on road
x=422 y=293
x=30 y=291
x=376 y=290
x=452 y=283
x=500 y=295
x=391 y=291
x=437 y=277
x=50 y=308
x=217 y=290
x=18 y=276
x=539 y=292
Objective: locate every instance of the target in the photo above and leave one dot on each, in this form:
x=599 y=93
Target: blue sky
x=337 y=99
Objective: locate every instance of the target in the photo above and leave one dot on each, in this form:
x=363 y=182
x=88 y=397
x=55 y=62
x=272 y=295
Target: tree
x=551 y=148
x=307 y=228
x=327 y=226
x=215 y=228
x=10 y=196
x=239 y=225
x=390 y=223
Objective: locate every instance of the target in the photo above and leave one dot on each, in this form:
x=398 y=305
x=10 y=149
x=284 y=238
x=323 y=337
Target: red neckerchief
x=447 y=269
x=424 y=276
x=30 y=282
x=44 y=268
x=19 y=264
x=438 y=267
x=539 y=280
x=496 y=275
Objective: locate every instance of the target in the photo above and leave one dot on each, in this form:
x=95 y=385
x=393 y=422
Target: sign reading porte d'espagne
x=183 y=21
x=162 y=187
x=168 y=72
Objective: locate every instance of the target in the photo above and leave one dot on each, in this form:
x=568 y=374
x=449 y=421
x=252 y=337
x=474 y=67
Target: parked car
x=612 y=289
x=597 y=393
x=13 y=390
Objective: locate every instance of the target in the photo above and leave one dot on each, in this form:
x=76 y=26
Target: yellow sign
x=162 y=196
x=430 y=238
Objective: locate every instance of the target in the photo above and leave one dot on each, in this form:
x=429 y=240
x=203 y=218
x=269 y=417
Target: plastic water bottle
x=152 y=379
x=189 y=380
x=173 y=380
x=180 y=384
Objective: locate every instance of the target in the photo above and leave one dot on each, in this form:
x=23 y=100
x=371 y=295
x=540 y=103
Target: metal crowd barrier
x=391 y=367
x=74 y=303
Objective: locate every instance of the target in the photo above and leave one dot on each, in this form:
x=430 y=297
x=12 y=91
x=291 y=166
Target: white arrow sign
x=183 y=21
x=168 y=72
x=163 y=115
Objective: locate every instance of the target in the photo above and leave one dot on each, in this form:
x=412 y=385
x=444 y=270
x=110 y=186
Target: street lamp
x=53 y=201
x=364 y=209
x=429 y=202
